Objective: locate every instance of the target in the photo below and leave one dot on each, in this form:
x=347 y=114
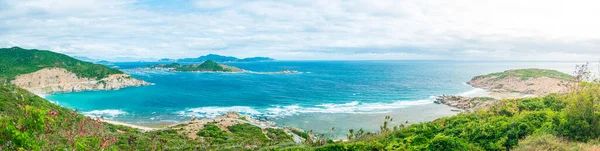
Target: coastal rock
x=53 y=80
x=229 y=119
x=465 y=103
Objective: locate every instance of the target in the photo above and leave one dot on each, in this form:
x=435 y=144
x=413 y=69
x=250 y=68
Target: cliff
x=52 y=80
x=44 y=72
x=525 y=81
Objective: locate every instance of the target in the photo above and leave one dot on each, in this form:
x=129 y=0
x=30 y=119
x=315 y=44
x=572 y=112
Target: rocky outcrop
x=229 y=119
x=535 y=86
x=53 y=80
x=463 y=103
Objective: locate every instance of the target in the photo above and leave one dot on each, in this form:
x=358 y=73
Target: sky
x=128 y=30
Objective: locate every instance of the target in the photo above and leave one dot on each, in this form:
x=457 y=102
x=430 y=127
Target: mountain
x=219 y=58
x=43 y=71
x=256 y=59
x=15 y=61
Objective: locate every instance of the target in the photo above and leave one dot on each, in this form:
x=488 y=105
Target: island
x=206 y=66
x=210 y=66
x=218 y=58
x=46 y=72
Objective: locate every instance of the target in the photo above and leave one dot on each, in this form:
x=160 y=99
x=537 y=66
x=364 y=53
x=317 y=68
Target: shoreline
x=143 y=128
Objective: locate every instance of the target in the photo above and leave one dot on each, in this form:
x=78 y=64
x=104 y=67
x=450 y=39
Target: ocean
x=323 y=95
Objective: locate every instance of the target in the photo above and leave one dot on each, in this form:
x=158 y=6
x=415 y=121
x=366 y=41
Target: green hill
x=525 y=74
x=15 y=61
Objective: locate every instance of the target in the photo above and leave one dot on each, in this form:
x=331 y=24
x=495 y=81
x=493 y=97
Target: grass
x=525 y=74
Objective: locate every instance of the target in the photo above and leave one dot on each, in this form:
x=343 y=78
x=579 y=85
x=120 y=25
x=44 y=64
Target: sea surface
x=323 y=95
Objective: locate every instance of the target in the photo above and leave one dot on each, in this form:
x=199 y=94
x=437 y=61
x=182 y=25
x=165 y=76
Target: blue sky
x=125 y=30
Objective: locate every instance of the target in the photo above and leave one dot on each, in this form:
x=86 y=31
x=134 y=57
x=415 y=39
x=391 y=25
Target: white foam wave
x=476 y=92
x=215 y=111
x=354 y=107
x=109 y=113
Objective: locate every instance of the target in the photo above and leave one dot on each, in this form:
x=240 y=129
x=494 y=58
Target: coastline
x=143 y=128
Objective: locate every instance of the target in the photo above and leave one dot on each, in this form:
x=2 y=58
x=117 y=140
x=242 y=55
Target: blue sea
x=322 y=96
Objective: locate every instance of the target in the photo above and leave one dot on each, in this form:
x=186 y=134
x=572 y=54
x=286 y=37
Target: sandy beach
x=143 y=128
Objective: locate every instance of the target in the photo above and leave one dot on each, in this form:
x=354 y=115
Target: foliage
x=300 y=133
x=213 y=133
x=15 y=61
x=525 y=74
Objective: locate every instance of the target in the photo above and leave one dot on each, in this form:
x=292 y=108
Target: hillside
x=31 y=123
x=206 y=66
x=15 y=61
x=526 y=81
x=552 y=122
x=46 y=72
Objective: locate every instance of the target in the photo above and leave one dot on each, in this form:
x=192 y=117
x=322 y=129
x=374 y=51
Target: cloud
x=349 y=29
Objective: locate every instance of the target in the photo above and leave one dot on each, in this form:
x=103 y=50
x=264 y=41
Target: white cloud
x=351 y=29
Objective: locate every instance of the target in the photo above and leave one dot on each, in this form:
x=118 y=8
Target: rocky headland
x=509 y=84
x=54 y=80
x=224 y=122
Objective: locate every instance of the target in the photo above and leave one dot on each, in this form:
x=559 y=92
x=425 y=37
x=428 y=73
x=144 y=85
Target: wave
x=354 y=107
x=476 y=92
x=109 y=113
x=215 y=111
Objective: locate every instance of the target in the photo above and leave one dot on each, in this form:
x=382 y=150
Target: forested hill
x=15 y=61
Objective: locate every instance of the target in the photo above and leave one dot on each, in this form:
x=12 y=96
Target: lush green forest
x=15 y=61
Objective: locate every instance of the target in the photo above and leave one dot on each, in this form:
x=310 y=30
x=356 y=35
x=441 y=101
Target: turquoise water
x=326 y=92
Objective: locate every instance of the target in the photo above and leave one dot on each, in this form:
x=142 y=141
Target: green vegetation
x=28 y=122
x=208 y=65
x=525 y=74
x=300 y=133
x=15 y=61
x=573 y=117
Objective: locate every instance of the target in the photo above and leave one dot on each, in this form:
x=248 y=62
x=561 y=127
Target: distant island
x=218 y=58
x=206 y=66
x=45 y=72
x=210 y=66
